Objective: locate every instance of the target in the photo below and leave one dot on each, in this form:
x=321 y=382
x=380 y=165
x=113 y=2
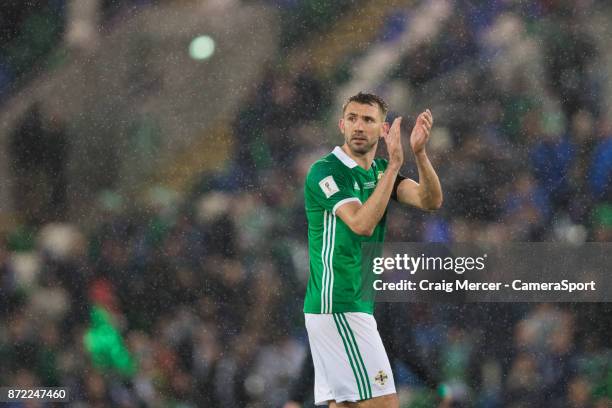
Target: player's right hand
x=394 y=144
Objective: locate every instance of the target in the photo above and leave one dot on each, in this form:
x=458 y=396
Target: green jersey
x=335 y=283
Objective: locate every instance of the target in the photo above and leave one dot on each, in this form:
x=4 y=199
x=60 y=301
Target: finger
x=427 y=120
x=426 y=131
x=395 y=126
x=424 y=123
x=397 y=122
x=419 y=120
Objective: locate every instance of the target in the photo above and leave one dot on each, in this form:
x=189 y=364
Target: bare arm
x=427 y=193
x=363 y=218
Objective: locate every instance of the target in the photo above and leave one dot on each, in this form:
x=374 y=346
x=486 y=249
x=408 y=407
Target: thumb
x=397 y=122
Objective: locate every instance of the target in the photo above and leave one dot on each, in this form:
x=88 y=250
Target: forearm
x=369 y=214
x=430 y=190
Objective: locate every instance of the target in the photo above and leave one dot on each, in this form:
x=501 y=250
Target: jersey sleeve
x=398 y=180
x=329 y=188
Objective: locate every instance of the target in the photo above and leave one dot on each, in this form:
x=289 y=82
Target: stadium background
x=153 y=248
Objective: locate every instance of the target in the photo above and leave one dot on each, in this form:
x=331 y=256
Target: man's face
x=362 y=125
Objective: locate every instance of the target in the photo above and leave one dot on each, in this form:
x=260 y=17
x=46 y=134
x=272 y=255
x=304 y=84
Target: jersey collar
x=344 y=158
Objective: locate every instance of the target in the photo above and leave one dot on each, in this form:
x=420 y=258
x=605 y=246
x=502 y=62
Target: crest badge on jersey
x=381 y=378
x=379 y=175
x=329 y=186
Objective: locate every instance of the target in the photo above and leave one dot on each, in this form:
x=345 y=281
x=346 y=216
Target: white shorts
x=349 y=358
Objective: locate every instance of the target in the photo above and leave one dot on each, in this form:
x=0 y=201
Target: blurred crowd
x=206 y=288
x=35 y=34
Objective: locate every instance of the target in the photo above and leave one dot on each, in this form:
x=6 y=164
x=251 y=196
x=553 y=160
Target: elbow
x=433 y=205
x=436 y=205
x=430 y=201
x=363 y=230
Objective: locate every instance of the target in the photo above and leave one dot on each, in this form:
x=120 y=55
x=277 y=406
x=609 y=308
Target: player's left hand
x=420 y=132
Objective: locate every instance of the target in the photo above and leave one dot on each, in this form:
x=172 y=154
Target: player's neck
x=362 y=160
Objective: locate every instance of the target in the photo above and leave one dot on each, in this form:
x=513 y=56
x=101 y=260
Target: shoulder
x=324 y=167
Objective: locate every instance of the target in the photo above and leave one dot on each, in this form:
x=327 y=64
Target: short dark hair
x=368 y=99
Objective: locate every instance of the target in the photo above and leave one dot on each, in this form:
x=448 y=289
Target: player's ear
x=341 y=125
x=385 y=128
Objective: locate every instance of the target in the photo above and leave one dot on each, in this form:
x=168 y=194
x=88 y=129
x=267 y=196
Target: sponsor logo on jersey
x=329 y=186
x=369 y=184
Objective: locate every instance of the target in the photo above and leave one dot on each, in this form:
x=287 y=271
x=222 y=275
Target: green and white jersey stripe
x=354 y=356
x=335 y=251
x=327 y=254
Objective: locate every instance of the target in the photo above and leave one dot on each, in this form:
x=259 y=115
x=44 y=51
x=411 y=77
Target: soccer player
x=346 y=196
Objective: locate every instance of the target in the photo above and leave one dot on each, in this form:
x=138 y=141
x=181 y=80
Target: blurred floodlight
x=202 y=47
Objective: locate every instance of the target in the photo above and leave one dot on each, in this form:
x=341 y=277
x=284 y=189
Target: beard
x=360 y=146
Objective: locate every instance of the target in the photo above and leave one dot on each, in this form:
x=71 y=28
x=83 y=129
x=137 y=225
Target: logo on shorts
x=381 y=378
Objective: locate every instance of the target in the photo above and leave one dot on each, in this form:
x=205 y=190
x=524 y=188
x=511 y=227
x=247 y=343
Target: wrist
x=394 y=166
x=421 y=154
